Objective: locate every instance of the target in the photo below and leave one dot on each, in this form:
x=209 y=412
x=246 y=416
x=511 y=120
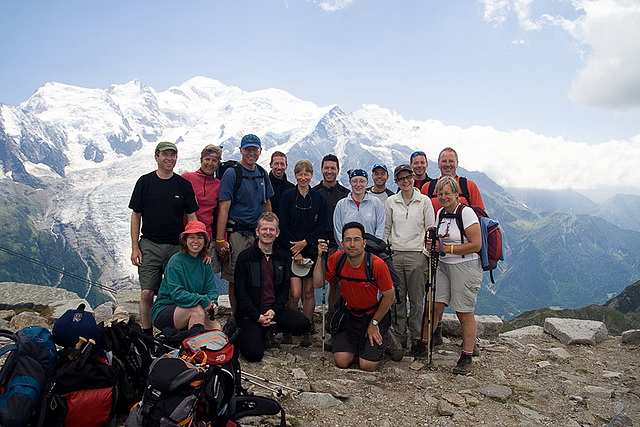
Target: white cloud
x=607 y=32
x=525 y=159
x=332 y=5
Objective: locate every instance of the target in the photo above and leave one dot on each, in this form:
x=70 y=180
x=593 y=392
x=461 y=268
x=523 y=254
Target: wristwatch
x=374 y=322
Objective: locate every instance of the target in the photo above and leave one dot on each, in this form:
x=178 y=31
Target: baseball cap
x=165 y=145
x=402 y=168
x=380 y=165
x=250 y=141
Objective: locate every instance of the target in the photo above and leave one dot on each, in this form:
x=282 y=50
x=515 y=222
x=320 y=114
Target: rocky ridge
x=530 y=376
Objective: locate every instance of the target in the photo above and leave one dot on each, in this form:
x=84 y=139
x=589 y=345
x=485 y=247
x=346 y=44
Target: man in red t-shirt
x=367 y=303
x=448 y=164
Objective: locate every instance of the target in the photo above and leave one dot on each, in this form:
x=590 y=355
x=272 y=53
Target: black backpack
x=175 y=387
x=25 y=375
x=239 y=176
x=133 y=352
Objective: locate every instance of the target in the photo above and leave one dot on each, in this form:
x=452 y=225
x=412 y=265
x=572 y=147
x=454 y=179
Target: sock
x=467 y=353
x=148 y=331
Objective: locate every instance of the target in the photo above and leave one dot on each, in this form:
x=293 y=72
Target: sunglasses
x=418 y=153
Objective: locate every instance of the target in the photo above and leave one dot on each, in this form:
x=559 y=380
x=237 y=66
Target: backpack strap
x=457 y=215
x=431 y=192
x=368 y=268
x=240 y=177
x=464 y=189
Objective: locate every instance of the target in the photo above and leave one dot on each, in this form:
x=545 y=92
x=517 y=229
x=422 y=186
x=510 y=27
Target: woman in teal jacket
x=188 y=293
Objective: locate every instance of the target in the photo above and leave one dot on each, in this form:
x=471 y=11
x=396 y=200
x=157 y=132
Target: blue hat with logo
x=250 y=140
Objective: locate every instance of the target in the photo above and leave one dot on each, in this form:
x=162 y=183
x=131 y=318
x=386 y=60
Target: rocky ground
x=523 y=378
x=529 y=380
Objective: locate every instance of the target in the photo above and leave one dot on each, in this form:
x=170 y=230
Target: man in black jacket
x=262 y=282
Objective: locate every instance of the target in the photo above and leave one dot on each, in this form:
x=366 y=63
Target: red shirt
x=360 y=295
x=206 y=188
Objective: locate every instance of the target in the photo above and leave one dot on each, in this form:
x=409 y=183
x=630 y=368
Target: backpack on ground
x=491 y=250
x=175 y=388
x=132 y=352
x=74 y=324
x=239 y=176
x=26 y=372
x=84 y=391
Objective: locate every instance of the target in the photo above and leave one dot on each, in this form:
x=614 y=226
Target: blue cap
x=250 y=141
x=357 y=172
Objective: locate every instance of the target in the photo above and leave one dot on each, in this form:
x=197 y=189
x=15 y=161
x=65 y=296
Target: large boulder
x=36 y=297
x=488 y=326
x=576 y=331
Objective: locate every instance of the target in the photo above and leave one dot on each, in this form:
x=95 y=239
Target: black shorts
x=165 y=317
x=354 y=340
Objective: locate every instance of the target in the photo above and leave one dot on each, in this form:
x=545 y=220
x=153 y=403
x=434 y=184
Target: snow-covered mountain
x=95 y=143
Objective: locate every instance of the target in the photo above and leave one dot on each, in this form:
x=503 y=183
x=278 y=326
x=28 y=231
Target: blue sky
x=558 y=68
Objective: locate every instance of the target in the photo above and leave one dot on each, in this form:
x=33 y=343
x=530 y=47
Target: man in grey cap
x=240 y=206
x=159 y=203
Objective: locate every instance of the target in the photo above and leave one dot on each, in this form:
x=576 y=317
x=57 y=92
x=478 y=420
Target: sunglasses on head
x=418 y=153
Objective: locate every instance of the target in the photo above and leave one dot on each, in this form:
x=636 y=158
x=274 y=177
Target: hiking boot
x=393 y=347
x=436 y=338
x=306 y=340
x=417 y=349
x=464 y=365
x=286 y=338
x=270 y=340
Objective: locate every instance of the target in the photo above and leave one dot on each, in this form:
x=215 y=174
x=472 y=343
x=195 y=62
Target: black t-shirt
x=332 y=195
x=163 y=203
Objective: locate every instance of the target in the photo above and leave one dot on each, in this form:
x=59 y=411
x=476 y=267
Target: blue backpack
x=30 y=362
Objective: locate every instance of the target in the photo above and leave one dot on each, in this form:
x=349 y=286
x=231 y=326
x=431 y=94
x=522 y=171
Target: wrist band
x=220 y=241
x=451 y=249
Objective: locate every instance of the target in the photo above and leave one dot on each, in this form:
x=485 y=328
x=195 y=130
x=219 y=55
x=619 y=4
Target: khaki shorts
x=457 y=285
x=155 y=257
x=238 y=242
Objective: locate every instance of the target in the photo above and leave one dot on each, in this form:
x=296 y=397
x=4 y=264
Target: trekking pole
x=272 y=382
x=277 y=391
x=429 y=307
x=323 y=359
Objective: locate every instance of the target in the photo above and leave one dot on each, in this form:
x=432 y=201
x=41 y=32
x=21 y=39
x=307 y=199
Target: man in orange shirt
x=367 y=300
x=448 y=163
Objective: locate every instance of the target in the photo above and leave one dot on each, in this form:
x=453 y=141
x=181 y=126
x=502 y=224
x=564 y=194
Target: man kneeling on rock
x=262 y=284
x=366 y=300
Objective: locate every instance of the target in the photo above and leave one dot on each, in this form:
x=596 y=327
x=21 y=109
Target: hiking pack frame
x=430 y=289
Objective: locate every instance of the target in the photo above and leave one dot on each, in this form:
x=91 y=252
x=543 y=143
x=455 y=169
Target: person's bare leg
x=146 y=301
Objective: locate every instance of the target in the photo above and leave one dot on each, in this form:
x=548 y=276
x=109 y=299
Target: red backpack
x=491 y=250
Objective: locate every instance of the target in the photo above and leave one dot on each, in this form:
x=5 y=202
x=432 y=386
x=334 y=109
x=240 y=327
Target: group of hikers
x=275 y=242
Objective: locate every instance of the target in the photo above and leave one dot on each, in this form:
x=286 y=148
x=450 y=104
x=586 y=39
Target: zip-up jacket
x=249 y=288
x=406 y=224
x=370 y=214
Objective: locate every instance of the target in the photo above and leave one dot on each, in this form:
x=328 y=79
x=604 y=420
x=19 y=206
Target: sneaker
x=436 y=339
x=286 y=339
x=306 y=340
x=464 y=365
x=393 y=347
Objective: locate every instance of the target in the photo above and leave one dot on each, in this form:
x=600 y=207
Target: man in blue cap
x=240 y=206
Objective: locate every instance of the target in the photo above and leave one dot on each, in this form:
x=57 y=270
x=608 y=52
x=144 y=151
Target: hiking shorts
x=164 y=319
x=155 y=257
x=354 y=340
x=238 y=242
x=457 y=285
